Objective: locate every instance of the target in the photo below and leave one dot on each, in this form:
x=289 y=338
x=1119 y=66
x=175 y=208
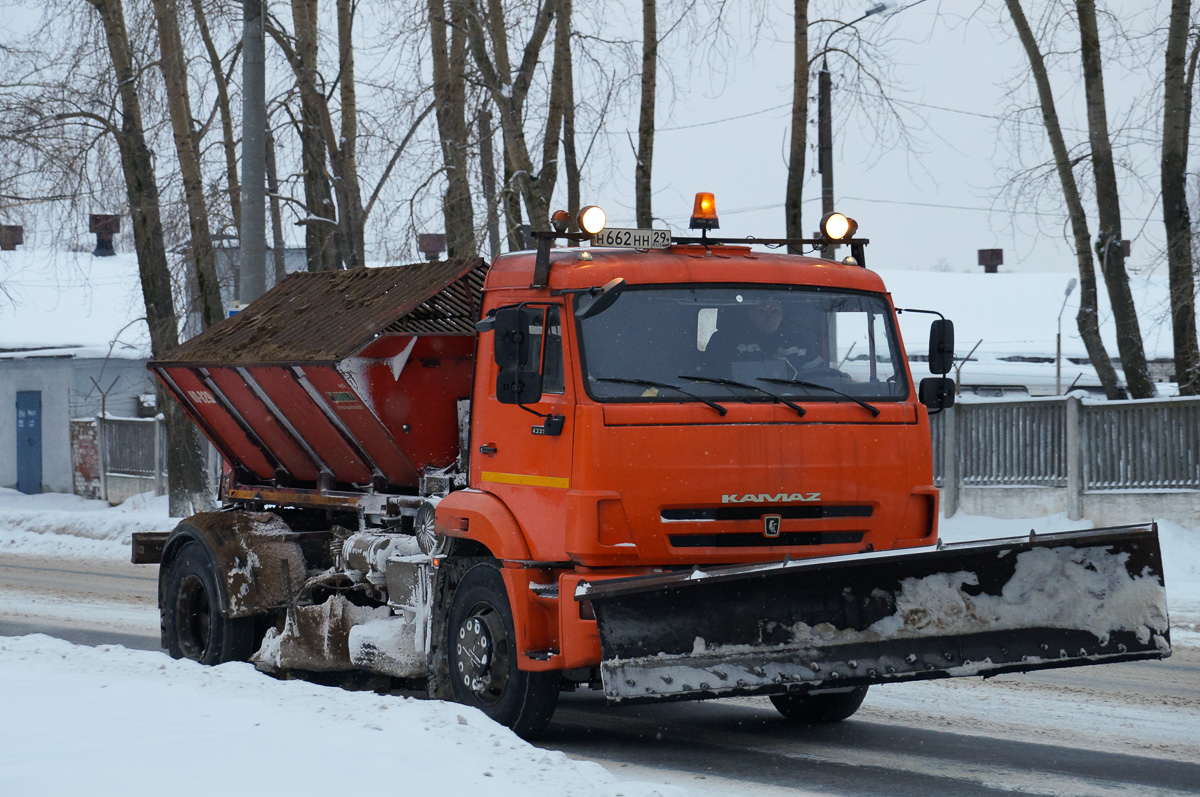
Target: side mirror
x=511 y=345
x=590 y=304
x=941 y=347
x=518 y=386
x=936 y=393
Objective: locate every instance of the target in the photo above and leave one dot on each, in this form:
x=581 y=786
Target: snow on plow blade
x=977 y=608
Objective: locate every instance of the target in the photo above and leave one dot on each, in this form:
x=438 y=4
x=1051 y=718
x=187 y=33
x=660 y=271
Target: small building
x=42 y=391
x=73 y=344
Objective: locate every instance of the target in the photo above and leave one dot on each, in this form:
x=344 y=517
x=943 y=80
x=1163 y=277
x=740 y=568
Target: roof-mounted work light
x=837 y=226
x=704 y=212
x=592 y=219
x=560 y=220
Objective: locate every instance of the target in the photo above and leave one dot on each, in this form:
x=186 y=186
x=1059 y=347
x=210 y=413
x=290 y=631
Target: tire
x=197 y=627
x=820 y=706
x=482 y=651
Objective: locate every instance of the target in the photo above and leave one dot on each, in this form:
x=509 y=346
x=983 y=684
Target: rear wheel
x=820 y=706
x=483 y=658
x=196 y=626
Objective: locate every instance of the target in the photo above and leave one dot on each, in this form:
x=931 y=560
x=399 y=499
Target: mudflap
x=976 y=608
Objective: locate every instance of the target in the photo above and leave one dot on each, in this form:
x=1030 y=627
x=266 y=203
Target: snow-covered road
x=125 y=717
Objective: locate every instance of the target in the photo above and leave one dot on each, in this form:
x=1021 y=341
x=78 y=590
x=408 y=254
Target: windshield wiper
x=712 y=380
x=652 y=383
x=874 y=410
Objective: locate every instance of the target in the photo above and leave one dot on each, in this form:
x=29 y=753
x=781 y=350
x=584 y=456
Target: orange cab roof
x=680 y=264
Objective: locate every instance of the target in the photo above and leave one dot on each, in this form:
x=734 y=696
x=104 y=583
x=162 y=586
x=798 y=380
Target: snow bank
x=56 y=524
x=139 y=723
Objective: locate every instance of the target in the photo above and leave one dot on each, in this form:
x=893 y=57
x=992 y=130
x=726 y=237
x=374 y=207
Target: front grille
x=744 y=540
x=756 y=511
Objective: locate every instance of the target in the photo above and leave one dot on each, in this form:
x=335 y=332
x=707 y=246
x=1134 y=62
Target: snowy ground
x=115 y=709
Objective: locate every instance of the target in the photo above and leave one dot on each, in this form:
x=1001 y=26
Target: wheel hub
x=482 y=665
x=193 y=622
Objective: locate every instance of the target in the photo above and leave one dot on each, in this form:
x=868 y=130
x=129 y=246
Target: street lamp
x=1058 y=345
x=825 y=121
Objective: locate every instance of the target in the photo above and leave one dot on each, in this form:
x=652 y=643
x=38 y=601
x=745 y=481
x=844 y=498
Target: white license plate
x=635 y=239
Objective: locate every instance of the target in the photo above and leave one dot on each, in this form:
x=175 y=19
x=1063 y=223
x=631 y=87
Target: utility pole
x=825 y=121
x=825 y=145
x=1058 y=341
x=252 y=265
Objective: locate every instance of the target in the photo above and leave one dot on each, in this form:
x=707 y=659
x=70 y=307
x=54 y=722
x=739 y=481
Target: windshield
x=742 y=343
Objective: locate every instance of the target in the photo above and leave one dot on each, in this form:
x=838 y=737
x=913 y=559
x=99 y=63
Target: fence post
x=1074 y=458
x=158 y=463
x=950 y=477
x=102 y=439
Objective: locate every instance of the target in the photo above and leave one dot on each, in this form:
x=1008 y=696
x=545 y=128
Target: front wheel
x=483 y=658
x=197 y=627
x=820 y=706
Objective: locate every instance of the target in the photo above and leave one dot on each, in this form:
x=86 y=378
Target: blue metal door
x=29 y=441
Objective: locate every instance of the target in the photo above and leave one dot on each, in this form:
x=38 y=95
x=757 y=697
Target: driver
x=767 y=338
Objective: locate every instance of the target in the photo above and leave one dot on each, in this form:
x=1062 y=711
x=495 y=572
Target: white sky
x=953 y=62
x=952 y=59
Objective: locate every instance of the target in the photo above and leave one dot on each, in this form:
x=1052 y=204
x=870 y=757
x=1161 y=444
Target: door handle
x=487 y=448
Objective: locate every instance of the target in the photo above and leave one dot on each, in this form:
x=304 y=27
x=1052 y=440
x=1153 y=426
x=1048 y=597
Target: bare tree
x=185 y=460
x=343 y=152
x=1178 y=82
x=509 y=88
x=799 y=134
x=221 y=83
x=1108 y=240
x=644 y=165
x=450 y=100
x=320 y=219
x=1088 y=319
x=187 y=149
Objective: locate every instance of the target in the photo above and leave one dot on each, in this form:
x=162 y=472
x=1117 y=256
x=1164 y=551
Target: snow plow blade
x=976 y=608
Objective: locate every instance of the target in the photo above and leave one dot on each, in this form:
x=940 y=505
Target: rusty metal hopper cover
x=324 y=317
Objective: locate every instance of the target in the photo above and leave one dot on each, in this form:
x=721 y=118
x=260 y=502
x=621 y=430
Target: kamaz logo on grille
x=769 y=498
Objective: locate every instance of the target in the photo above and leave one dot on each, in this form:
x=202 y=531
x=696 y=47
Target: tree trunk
x=273 y=203
x=487 y=169
x=187 y=474
x=792 y=203
x=187 y=147
x=644 y=167
x=552 y=139
x=227 y=139
x=508 y=91
x=321 y=224
x=570 y=156
x=449 y=91
x=511 y=199
x=1088 y=319
x=344 y=152
x=1177 y=114
x=1108 y=240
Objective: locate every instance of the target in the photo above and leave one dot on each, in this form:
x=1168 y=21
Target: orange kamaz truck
x=666 y=468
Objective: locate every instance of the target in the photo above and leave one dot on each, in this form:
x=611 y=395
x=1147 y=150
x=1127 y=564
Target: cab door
x=521 y=434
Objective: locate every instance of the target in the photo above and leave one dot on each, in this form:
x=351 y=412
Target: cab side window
x=553 y=380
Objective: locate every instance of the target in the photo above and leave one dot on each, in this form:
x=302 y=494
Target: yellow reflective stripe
x=526 y=479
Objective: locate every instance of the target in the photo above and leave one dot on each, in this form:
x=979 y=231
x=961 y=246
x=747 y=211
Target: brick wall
x=85 y=458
